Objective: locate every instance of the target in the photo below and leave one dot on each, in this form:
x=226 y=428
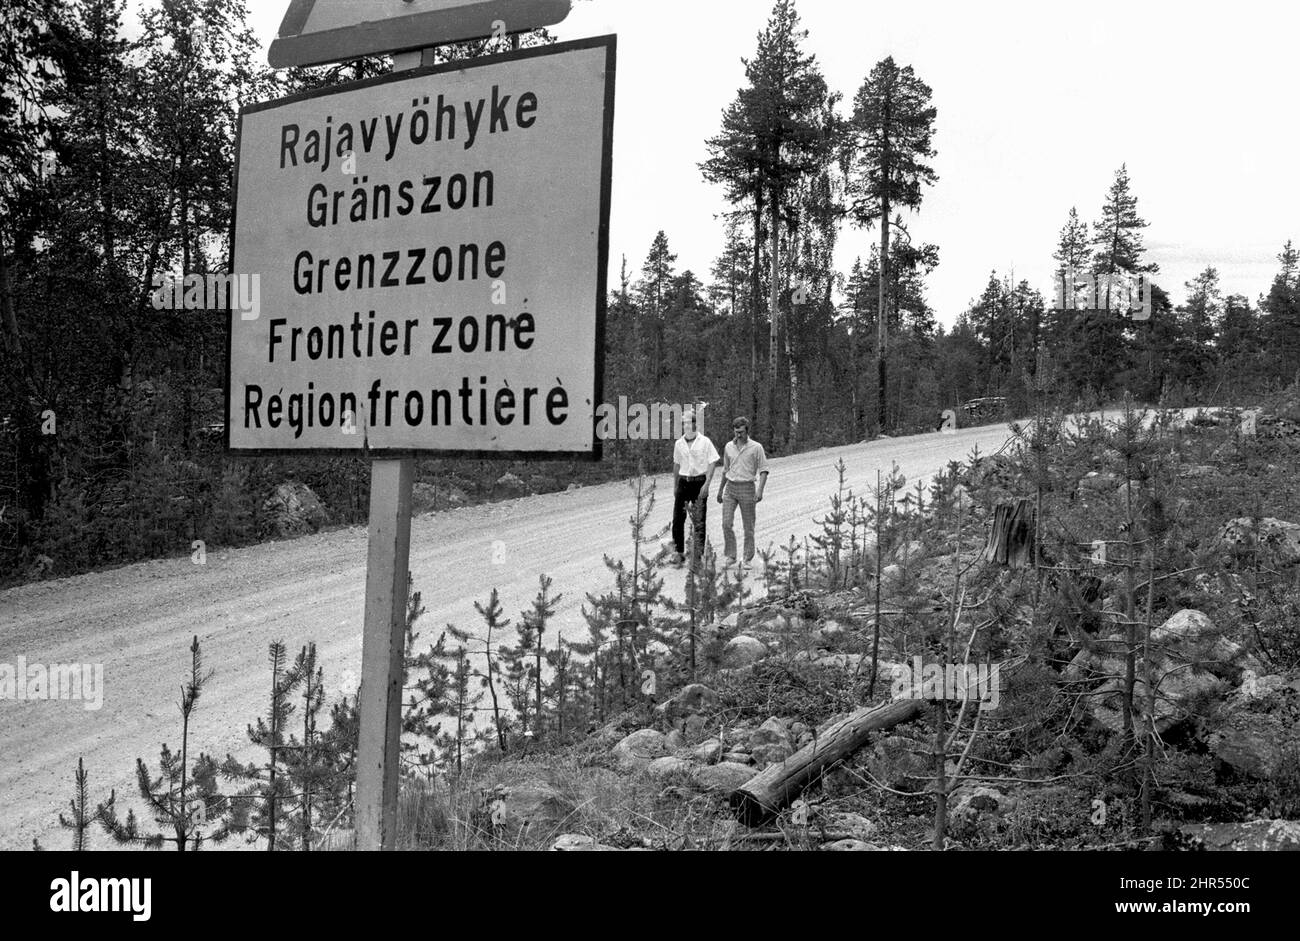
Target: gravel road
x=138 y=620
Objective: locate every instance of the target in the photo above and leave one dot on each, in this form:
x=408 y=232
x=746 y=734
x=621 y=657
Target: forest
x=116 y=169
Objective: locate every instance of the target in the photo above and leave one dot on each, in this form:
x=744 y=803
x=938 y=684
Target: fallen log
x=764 y=795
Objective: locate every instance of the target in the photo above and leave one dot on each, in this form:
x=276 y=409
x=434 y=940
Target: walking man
x=694 y=460
x=744 y=475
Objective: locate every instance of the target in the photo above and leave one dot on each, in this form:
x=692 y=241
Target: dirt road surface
x=138 y=620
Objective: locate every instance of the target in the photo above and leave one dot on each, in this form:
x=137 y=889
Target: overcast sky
x=1039 y=103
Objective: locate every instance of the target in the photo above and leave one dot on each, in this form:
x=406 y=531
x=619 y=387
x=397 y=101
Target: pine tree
x=889 y=144
x=82 y=817
x=1281 y=312
x=267 y=788
x=182 y=798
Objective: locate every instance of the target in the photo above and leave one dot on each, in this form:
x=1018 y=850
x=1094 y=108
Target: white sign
x=318 y=31
x=432 y=250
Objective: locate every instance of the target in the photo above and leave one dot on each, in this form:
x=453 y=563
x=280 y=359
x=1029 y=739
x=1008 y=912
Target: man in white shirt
x=694 y=460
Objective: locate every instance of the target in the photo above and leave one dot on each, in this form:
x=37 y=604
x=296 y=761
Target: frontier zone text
x=475 y=405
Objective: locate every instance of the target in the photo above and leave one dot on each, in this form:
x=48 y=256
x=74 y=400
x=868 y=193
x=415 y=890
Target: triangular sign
x=314 y=32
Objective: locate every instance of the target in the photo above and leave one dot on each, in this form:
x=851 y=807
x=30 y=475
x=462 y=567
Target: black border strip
x=610 y=45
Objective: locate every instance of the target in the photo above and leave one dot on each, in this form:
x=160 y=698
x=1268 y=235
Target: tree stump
x=1011 y=537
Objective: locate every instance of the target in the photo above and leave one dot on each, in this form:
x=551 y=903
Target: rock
x=431 y=497
x=1176 y=691
x=293 y=509
x=1192 y=637
x=910 y=551
x=694 y=729
x=540 y=483
x=725 y=777
x=578 y=843
x=675 y=740
x=859 y=826
x=774 y=624
x=1272 y=835
x=708 y=752
x=844 y=661
x=742 y=651
x=737 y=758
x=972 y=809
x=798 y=728
x=535 y=810
x=1278 y=536
x=1253 y=743
x=850 y=846
x=572 y=487
x=693 y=698
x=891 y=573
x=1099 y=483
x=670 y=767
x=829 y=632
x=1195 y=471
x=770 y=743
x=509 y=486
x=42 y=567
x=636 y=751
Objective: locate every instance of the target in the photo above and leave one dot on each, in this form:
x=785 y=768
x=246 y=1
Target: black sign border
x=610 y=44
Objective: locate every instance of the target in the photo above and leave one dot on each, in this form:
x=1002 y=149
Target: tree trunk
x=755 y=297
x=882 y=293
x=766 y=793
x=774 y=315
x=1011 y=537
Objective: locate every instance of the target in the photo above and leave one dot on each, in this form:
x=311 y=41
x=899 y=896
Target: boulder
x=430 y=497
x=1253 y=743
x=1278 y=537
x=540 y=483
x=670 y=767
x=973 y=809
x=724 y=777
x=1175 y=691
x=708 y=752
x=693 y=699
x=293 y=509
x=850 y=846
x=828 y=633
x=675 y=740
x=636 y=751
x=858 y=826
x=770 y=743
x=509 y=486
x=737 y=757
x=1099 y=483
x=844 y=661
x=742 y=651
x=1191 y=637
x=1271 y=835
x=530 y=810
x=572 y=487
x=579 y=843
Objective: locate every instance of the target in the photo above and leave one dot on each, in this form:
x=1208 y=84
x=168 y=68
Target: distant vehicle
x=985 y=409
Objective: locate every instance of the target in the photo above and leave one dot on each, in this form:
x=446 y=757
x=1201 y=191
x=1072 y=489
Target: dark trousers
x=689 y=490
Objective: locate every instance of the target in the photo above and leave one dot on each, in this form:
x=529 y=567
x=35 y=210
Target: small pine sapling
x=82 y=818
x=181 y=799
